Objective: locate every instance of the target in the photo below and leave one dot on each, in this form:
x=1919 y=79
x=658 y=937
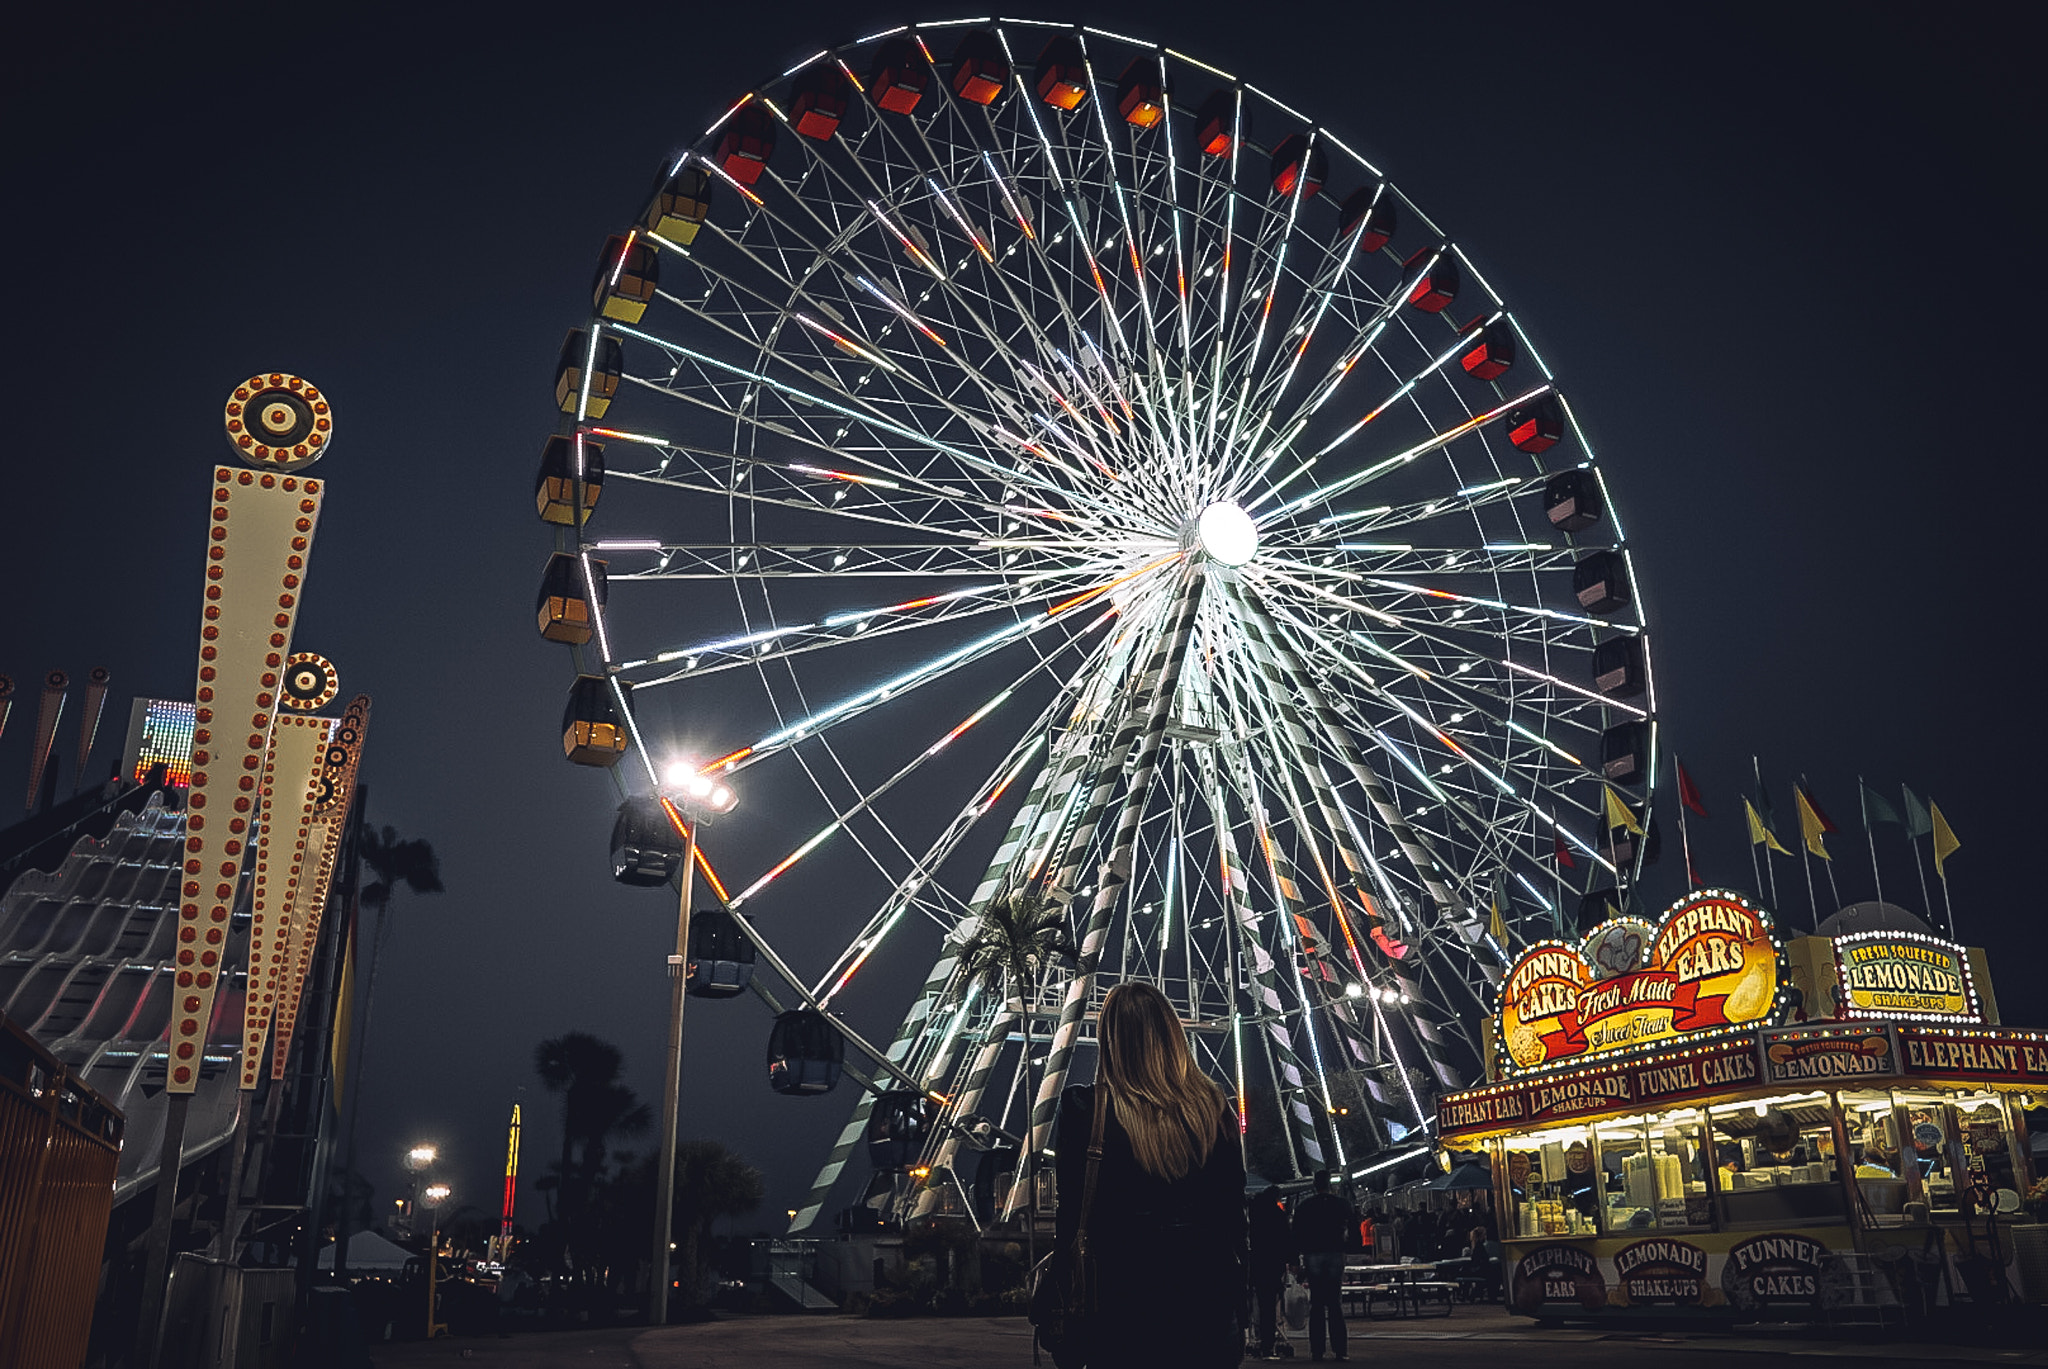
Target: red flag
x=1563 y=852
x=1689 y=793
x=1827 y=824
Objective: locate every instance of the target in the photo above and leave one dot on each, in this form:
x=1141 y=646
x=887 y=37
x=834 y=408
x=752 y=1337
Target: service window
x=1553 y=1182
x=1776 y=1160
x=1881 y=1178
x=1653 y=1172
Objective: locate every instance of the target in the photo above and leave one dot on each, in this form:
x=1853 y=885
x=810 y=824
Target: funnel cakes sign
x=1713 y=960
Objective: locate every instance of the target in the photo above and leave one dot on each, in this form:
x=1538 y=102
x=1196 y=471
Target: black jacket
x=1324 y=1224
x=1170 y=1255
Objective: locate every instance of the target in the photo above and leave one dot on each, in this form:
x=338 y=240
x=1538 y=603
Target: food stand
x=1695 y=1116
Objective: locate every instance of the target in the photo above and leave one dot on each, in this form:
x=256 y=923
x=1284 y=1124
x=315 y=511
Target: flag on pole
x=1562 y=852
x=1876 y=809
x=1945 y=842
x=1918 y=823
x=1760 y=833
x=1813 y=827
x=1618 y=814
x=1497 y=927
x=1689 y=793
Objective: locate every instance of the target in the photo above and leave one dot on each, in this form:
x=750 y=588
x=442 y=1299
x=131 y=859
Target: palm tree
x=595 y=1107
x=1009 y=950
x=394 y=863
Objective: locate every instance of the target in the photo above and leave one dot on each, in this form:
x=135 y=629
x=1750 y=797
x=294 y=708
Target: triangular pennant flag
x=1497 y=927
x=1618 y=814
x=1562 y=852
x=1876 y=808
x=1763 y=805
x=1760 y=833
x=1827 y=824
x=1812 y=826
x=1689 y=793
x=1945 y=842
x=1918 y=823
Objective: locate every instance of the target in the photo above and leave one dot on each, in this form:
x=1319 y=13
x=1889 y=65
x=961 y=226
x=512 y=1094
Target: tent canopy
x=367 y=1250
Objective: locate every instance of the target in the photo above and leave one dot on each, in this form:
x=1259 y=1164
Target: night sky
x=1782 y=257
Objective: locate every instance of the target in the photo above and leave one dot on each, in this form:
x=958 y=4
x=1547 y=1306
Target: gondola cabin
x=1062 y=75
x=560 y=485
x=1368 y=212
x=1600 y=581
x=1215 y=121
x=1489 y=350
x=806 y=1053
x=680 y=207
x=628 y=270
x=897 y=80
x=1435 y=273
x=1625 y=753
x=1619 y=671
x=1297 y=165
x=605 y=362
x=721 y=963
x=1571 y=500
x=818 y=100
x=980 y=68
x=593 y=730
x=1536 y=427
x=647 y=850
x=563 y=606
x=747 y=143
x=1140 y=94
x=898 y=1128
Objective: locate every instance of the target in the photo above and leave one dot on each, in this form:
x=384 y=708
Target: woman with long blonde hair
x=1167 y=1226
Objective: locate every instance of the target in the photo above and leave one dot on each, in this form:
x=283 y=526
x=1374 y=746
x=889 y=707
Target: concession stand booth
x=1698 y=1116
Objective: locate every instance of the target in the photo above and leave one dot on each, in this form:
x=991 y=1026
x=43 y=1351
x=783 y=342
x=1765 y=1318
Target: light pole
x=435 y=1195
x=697 y=794
x=417 y=1160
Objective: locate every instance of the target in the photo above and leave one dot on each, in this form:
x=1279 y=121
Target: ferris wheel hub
x=1227 y=534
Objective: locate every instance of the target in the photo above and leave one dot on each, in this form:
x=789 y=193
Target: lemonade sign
x=1888 y=973
x=1713 y=960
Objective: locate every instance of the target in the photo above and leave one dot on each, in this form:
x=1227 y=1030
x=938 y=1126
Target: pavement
x=1473 y=1333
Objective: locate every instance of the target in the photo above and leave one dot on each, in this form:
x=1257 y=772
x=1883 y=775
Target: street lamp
x=688 y=791
x=435 y=1195
x=417 y=1160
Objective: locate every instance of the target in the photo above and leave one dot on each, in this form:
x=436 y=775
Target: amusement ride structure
x=1038 y=388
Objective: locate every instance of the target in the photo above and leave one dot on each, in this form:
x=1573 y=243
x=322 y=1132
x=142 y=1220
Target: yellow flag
x=1945 y=842
x=1760 y=835
x=1811 y=828
x=1497 y=926
x=1618 y=814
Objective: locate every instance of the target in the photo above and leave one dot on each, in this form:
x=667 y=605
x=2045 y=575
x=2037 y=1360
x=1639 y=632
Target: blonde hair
x=1170 y=1110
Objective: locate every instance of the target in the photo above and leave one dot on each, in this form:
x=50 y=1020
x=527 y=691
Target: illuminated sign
x=1990 y=1056
x=1712 y=961
x=1679 y=1073
x=160 y=733
x=1799 y=1055
x=1904 y=974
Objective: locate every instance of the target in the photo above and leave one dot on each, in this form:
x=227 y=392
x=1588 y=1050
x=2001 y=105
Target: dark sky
x=1785 y=258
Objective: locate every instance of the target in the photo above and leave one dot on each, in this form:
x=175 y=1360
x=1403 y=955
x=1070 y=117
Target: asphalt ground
x=1471 y=1335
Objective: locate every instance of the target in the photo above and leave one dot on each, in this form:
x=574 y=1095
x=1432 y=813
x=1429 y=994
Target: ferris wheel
x=1043 y=387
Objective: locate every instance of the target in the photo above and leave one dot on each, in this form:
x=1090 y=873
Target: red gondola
x=1536 y=427
x=1296 y=163
x=1372 y=209
x=1214 y=123
x=1489 y=352
x=980 y=68
x=747 y=143
x=1140 y=94
x=1062 y=76
x=818 y=100
x=898 y=78
x=1437 y=284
